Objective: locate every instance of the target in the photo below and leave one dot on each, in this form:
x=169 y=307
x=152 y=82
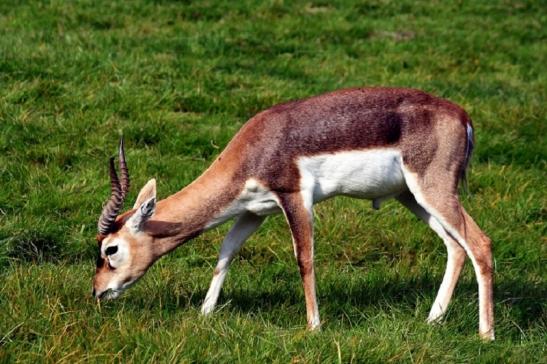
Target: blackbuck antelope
x=372 y=143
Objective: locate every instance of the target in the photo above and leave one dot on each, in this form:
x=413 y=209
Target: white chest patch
x=254 y=197
x=372 y=174
x=258 y=199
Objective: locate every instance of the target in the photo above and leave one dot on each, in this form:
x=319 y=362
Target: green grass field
x=178 y=79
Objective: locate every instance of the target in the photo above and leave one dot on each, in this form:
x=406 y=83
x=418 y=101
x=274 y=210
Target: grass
x=179 y=79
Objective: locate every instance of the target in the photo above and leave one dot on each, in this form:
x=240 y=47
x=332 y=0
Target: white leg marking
x=456 y=258
x=242 y=229
x=485 y=328
x=302 y=255
x=454 y=265
x=307 y=198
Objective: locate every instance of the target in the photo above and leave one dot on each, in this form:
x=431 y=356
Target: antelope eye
x=111 y=250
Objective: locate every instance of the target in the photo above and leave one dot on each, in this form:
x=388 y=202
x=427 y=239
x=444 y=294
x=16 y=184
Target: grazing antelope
x=372 y=143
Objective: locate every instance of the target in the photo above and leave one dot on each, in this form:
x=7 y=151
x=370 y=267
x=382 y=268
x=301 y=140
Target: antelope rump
x=371 y=143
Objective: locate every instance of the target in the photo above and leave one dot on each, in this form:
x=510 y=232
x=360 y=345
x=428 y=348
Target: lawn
x=178 y=79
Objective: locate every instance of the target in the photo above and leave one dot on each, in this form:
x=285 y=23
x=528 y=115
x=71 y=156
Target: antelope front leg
x=242 y=229
x=299 y=215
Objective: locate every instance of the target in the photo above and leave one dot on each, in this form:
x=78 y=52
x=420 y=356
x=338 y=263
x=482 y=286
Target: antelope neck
x=187 y=213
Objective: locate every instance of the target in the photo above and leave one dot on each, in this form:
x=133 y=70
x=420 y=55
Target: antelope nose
x=93 y=293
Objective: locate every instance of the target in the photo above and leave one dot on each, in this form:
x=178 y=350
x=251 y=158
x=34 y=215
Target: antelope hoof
x=488 y=335
x=314 y=326
x=207 y=310
x=434 y=320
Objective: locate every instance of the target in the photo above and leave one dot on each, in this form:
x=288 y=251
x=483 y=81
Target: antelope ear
x=143 y=213
x=146 y=193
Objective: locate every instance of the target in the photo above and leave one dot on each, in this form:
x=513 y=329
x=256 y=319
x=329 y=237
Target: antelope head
x=125 y=249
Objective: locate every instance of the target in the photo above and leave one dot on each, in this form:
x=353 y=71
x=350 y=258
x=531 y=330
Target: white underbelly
x=372 y=174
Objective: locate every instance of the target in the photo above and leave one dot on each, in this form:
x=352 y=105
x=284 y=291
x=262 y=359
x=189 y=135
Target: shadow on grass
x=523 y=300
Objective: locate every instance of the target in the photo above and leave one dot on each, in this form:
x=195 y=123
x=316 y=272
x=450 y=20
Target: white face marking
x=121 y=255
x=365 y=174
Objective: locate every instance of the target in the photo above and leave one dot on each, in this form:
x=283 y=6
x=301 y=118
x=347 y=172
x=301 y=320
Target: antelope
x=369 y=143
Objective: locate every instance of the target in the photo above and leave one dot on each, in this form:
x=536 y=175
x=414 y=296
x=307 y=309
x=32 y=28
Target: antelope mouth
x=109 y=294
